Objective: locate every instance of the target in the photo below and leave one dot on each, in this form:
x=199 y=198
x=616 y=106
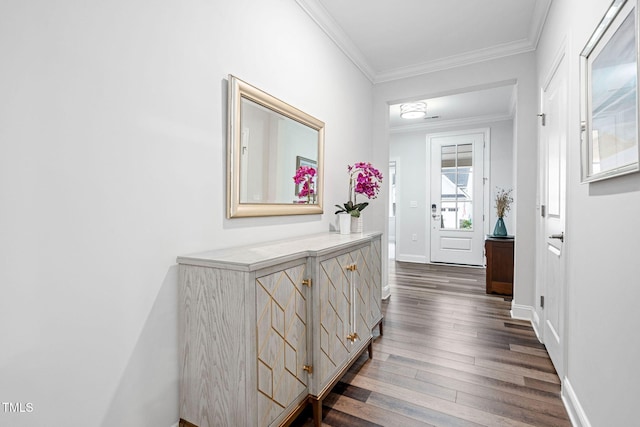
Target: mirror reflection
x=273 y=149
x=274 y=156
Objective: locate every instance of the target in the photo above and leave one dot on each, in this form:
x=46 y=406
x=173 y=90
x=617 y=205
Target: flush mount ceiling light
x=413 y=110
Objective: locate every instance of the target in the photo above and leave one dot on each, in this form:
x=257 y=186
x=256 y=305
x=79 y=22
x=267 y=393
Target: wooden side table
x=499 y=252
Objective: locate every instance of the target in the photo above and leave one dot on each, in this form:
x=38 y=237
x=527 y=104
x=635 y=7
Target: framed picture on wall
x=609 y=99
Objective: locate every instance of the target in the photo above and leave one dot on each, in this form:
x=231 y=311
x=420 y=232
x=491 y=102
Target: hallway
x=450 y=356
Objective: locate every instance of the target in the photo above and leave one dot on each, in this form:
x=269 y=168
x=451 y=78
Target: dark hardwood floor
x=450 y=356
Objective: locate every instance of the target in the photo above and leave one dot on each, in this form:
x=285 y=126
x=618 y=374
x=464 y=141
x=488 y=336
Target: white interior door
x=554 y=136
x=457 y=225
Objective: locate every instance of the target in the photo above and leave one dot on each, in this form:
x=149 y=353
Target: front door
x=553 y=142
x=456 y=211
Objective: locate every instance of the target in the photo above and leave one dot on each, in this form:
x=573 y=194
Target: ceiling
x=479 y=106
x=389 y=40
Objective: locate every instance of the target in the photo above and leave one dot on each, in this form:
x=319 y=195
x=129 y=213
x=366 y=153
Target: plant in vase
x=363 y=179
x=305 y=175
x=503 y=205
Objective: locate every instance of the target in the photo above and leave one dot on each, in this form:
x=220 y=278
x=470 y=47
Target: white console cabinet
x=265 y=329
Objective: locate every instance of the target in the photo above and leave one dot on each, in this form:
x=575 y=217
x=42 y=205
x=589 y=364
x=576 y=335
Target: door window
x=457 y=187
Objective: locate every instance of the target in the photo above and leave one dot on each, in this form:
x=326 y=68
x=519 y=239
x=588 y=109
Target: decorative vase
x=345 y=223
x=356 y=224
x=500 y=229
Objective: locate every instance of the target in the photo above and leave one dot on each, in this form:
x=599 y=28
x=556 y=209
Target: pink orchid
x=363 y=179
x=305 y=175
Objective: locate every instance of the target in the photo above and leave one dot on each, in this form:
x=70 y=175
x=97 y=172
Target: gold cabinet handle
x=352 y=267
x=306 y=282
x=308 y=368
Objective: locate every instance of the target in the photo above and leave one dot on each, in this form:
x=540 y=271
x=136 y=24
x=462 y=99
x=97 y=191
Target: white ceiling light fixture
x=413 y=110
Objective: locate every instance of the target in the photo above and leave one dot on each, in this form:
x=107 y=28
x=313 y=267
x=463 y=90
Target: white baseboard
x=522 y=312
x=176 y=424
x=535 y=323
x=386 y=292
x=526 y=312
x=572 y=404
x=412 y=258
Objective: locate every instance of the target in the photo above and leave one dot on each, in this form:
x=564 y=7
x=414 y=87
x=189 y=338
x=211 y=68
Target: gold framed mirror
x=266 y=140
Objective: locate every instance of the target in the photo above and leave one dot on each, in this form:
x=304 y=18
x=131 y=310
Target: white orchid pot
x=345 y=223
x=356 y=224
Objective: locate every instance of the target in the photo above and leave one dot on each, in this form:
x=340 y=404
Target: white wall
x=112 y=154
x=409 y=150
x=517 y=69
x=602 y=381
x=501 y=174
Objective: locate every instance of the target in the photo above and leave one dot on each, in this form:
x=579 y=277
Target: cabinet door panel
x=281 y=313
x=344 y=304
x=361 y=277
x=334 y=305
x=375 y=298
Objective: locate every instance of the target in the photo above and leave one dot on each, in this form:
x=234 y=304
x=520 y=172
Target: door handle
x=558 y=236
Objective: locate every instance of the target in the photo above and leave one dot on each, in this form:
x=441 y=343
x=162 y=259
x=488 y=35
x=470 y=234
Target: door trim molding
x=561 y=58
x=557 y=60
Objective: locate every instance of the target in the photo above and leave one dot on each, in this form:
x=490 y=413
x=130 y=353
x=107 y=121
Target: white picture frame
x=609 y=99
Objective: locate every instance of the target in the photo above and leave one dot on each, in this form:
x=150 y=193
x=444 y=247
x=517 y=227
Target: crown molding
x=325 y=21
x=540 y=13
x=443 y=124
x=480 y=55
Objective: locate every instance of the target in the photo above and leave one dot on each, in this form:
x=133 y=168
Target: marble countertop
x=261 y=255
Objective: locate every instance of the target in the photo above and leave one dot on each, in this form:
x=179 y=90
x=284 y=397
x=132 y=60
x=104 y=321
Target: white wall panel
x=602 y=289
x=112 y=162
